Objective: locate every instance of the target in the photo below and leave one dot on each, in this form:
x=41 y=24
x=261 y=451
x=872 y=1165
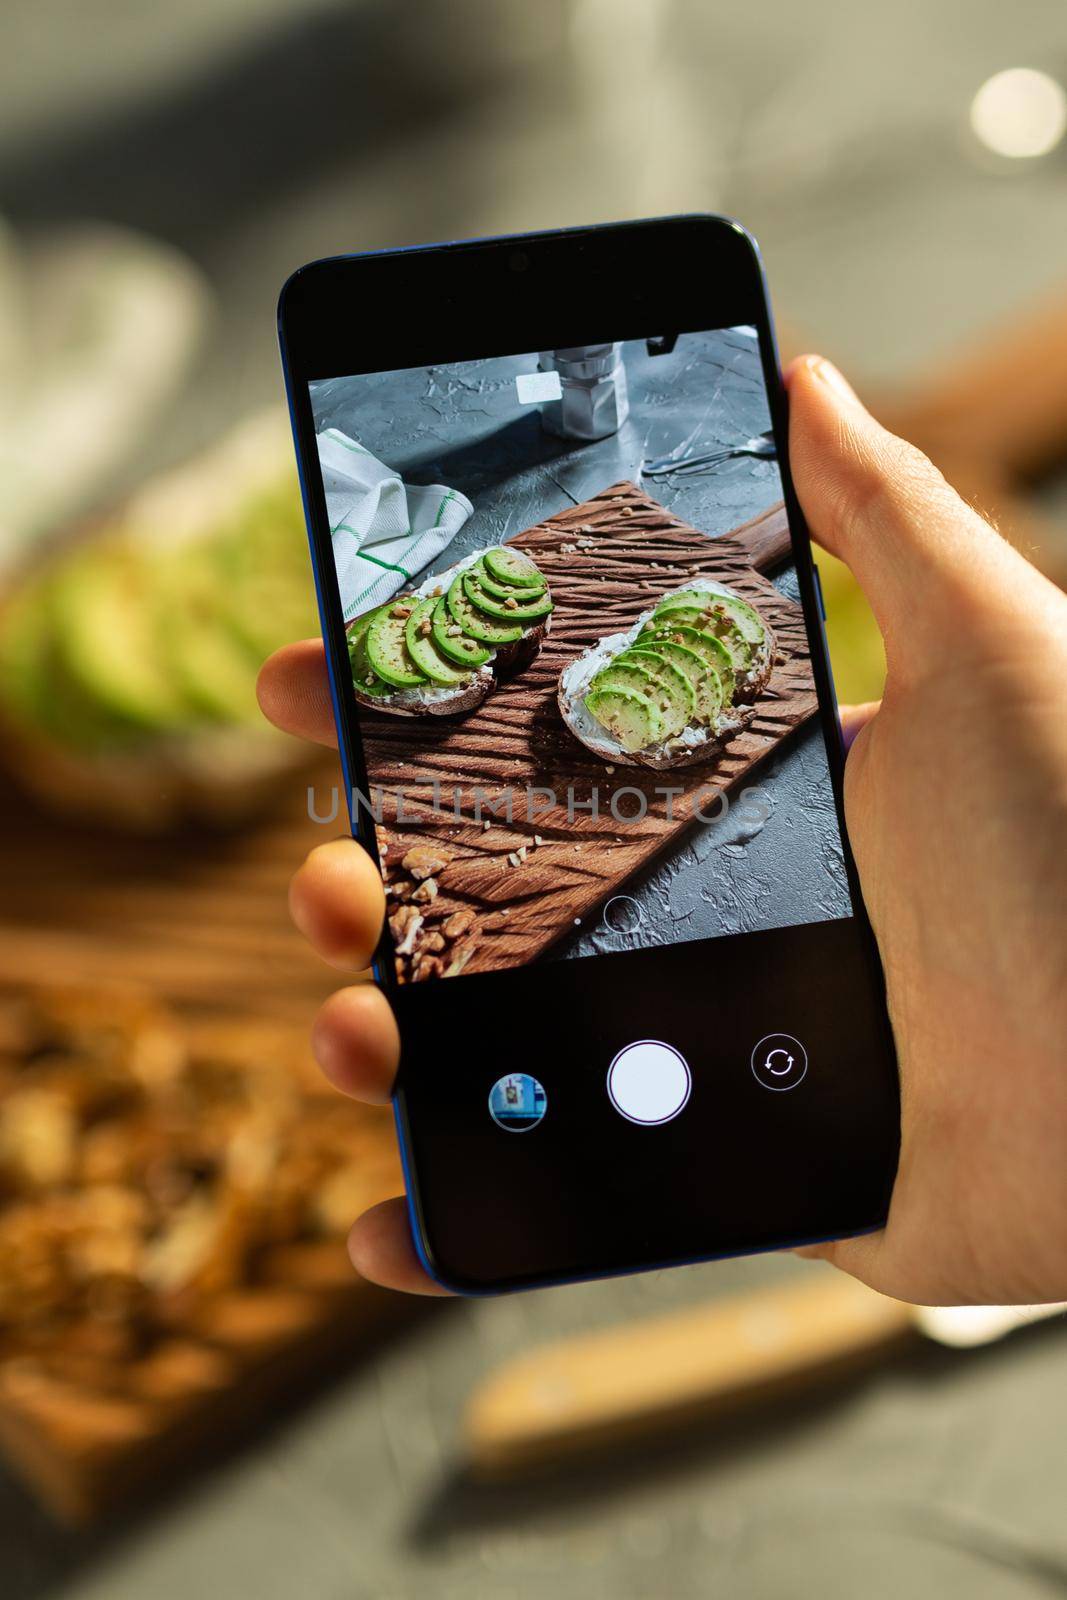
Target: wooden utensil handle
x=638 y=1378
x=765 y=539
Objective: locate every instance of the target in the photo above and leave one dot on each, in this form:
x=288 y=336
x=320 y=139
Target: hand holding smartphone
x=588 y=734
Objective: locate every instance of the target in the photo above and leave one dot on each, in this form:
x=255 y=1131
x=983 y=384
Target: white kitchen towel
x=384 y=531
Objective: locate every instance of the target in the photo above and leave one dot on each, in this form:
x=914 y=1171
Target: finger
x=294 y=692
x=337 y=901
x=356 y=1043
x=381 y=1249
x=883 y=508
x=855 y=718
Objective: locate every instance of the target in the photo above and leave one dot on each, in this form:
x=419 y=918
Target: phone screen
x=586 y=695
x=589 y=733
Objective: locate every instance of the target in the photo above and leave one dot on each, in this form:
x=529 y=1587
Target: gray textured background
x=462 y=425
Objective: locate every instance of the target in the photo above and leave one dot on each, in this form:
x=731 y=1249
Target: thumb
x=876 y=502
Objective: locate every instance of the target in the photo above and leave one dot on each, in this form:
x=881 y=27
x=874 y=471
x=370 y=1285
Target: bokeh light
x=1020 y=113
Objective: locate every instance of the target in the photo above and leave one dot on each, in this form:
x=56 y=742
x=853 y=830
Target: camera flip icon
x=779 y=1061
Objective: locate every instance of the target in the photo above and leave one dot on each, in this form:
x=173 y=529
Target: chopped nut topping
x=460 y=956
x=457 y=923
x=511 y=604
x=425 y=628
x=422 y=860
x=404 y=924
x=426 y=892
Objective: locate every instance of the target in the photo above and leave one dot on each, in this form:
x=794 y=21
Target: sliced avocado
x=206 y=658
x=723 y=627
x=674 y=682
x=418 y=636
x=507 y=610
x=746 y=616
x=364 y=676
x=31 y=689
x=673 y=707
x=747 y=619
x=630 y=717
x=261 y=560
x=387 y=649
x=453 y=642
x=682 y=613
x=706 y=685
x=710 y=649
x=475 y=623
x=508 y=565
x=267 y=609
x=107 y=639
x=24 y=642
x=507 y=591
x=625 y=675
x=729 y=618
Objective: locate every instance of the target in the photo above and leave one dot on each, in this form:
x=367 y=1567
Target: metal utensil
x=644 y=1378
x=762 y=446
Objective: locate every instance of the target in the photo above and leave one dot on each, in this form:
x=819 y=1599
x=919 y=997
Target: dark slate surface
x=462 y=425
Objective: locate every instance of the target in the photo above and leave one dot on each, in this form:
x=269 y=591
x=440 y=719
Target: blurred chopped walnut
x=143 y=1168
x=37 y=1137
x=426 y=891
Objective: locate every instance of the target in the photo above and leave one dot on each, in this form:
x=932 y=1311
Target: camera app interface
x=583 y=676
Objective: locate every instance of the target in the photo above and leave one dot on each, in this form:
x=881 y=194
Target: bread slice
x=438 y=700
x=700 y=740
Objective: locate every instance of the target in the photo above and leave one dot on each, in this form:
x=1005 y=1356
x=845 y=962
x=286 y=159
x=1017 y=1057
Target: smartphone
x=588 y=733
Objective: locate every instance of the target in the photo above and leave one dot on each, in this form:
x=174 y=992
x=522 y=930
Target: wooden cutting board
x=526 y=881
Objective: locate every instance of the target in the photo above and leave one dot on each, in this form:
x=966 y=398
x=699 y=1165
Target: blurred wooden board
x=89 y=1450
x=116 y=1374
x=199 y=916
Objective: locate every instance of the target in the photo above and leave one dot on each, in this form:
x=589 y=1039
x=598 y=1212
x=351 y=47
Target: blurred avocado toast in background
x=128 y=660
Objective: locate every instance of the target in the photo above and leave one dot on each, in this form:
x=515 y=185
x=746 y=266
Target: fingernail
x=827 y=373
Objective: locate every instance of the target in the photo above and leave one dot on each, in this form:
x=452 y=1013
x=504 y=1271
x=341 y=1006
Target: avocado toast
x=672 y=688
x=440 y=649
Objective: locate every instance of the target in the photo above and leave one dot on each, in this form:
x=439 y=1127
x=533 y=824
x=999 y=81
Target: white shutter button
x=649 y=1082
